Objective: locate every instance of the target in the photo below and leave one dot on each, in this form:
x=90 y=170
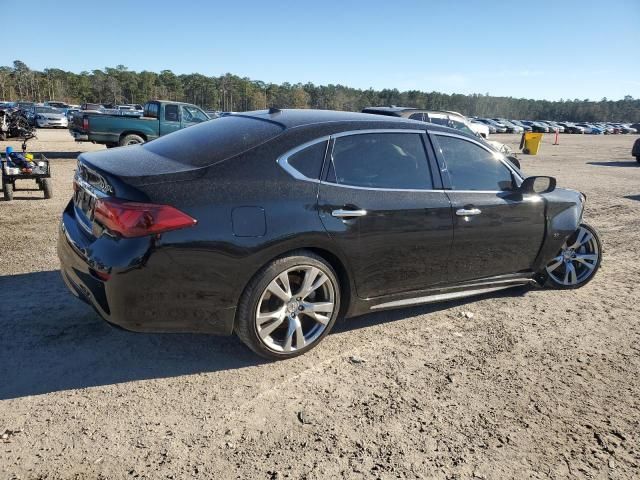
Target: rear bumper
x=148 y=296
x=79 y=137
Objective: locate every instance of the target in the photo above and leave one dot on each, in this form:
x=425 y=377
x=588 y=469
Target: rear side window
x=417 y=116
x=171 y=113
x=380 y=160
x=151 y=110
x=210 y=142
x=471 y=167
x=308 y=161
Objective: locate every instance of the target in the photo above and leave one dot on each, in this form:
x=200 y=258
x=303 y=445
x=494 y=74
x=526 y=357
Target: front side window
x=471 y=167
x=380 y=160
x=193 y=115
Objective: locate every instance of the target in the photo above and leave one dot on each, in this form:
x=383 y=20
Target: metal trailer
x=41 y=174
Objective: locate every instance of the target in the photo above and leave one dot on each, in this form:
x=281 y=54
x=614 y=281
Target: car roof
x=292 y=118
x=388 y=110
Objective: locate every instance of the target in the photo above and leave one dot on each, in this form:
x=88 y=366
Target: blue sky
x=542 y=49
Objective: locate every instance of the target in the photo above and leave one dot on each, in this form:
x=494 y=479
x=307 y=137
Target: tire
x=638 y=158
x=131 y=139
x=47 y=188
x=280 y=337
x=555 y=273
x=7 y=189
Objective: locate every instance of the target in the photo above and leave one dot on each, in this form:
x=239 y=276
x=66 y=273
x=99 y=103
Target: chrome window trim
x=378 y=130
x=379 y=189
x=283 y=160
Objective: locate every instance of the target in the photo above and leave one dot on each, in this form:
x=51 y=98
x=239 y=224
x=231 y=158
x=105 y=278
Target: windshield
x=46 y=110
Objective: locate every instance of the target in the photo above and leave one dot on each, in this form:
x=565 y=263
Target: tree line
x=233 y=93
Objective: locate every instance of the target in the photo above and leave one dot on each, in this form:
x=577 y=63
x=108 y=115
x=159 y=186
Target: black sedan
x=273 y=224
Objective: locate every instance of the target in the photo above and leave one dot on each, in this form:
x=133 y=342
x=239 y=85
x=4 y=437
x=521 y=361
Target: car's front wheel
x=578 y=260
x=289 y=306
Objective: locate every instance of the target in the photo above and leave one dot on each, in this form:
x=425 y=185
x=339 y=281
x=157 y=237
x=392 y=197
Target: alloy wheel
x=295 y=309
x=576 y=261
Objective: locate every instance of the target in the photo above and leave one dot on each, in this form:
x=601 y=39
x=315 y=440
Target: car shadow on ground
x=630 y=163
x=51 y=341
x=633 y=197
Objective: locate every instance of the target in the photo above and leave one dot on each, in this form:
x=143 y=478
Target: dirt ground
x=537 y=384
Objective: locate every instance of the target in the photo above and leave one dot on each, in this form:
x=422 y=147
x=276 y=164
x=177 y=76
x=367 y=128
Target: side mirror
x=539 y=184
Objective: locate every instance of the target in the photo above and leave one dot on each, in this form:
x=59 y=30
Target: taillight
x=134 y=219
x=85 y=124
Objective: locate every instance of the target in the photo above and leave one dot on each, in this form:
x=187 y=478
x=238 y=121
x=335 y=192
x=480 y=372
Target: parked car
x=25 y=106
x=439 y=117
x=590 y=129
x=511 y=127
x=636 y=127
x=536 y=126
x=45 y=117
x=635 y=151
x=553 y=126
x=159 y=118
x=498 y=126
x=571 y=128
x=525 y=128
x=58 y=105
x=491 y=128
x=273 y=224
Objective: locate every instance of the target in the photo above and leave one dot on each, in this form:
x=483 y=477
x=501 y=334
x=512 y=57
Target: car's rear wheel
x=131 y=140
x=638 y=158
x=578 y=260
x=289 y=306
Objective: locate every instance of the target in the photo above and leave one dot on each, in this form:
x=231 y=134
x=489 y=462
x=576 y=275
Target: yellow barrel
x=532 y=143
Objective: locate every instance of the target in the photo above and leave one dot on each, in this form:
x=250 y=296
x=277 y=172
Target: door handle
x=341 y=213
x=465 y=212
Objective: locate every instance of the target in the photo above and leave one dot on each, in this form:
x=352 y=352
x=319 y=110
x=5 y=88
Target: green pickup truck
x=159 y=118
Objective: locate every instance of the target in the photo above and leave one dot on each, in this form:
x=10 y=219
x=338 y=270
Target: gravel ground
x=535 y=384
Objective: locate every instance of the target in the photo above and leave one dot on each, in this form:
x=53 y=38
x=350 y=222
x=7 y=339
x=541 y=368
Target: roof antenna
x=274 y=110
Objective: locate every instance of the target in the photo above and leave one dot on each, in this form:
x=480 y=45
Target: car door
x=170 y=119
x=382 y=207
x=496 y=229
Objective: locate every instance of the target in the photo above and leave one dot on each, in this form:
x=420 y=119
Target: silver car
x=44 y=117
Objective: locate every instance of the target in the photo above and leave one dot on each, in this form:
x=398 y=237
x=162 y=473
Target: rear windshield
x=215 y=140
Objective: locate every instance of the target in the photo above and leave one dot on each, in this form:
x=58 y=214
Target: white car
x=44 y=117
x=479 y=129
